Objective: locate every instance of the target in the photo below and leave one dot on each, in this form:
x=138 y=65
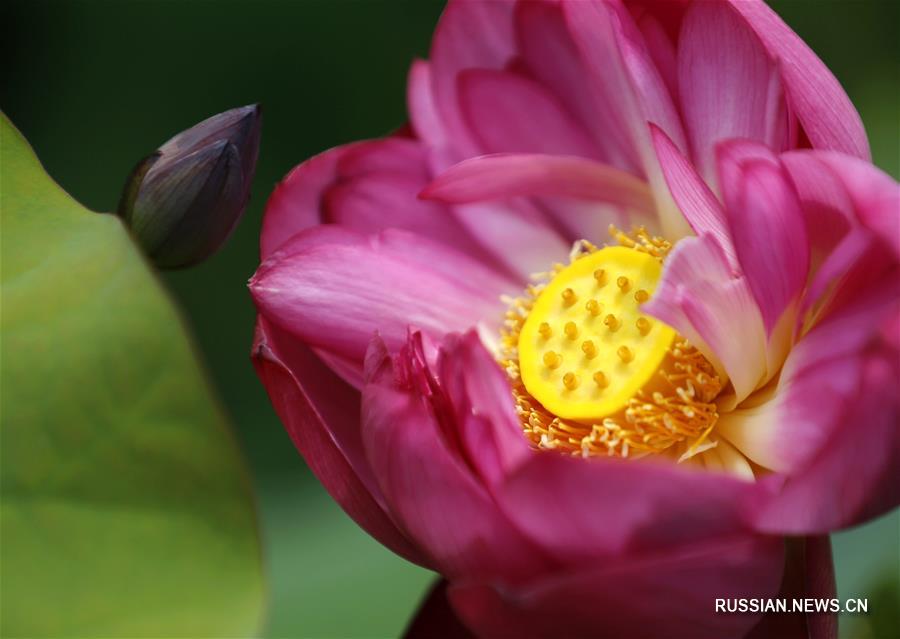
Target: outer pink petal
x=435 y=619
x=423 y=113
x=367 y=186
x=649 y=596
x=875 y=196
x=371 y=202
x=428 y=488
x=697 y=202
x=702 y=297
x=335 y=288
x=730 y=87
x=808 y=574
x=321 y=414
x=510 y=175
x=842 y=412
x=296 y=202
x=508 y=112
x=767 y=227
x=816 y=97
x=635 y=506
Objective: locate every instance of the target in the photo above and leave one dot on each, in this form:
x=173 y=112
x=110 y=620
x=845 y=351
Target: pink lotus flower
x=612 y=445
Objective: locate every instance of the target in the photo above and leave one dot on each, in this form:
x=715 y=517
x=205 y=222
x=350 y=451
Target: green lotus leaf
x=126 y=506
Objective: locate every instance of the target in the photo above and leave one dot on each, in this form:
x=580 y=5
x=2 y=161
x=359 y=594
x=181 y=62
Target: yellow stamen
x=643 y=325
x=623 y=283
x=600 y=379
x=570 y=381
x=600 y=276
x=625 y=354
x=590 y=350
x=552 y=360
x=545 y=330
x=571 y=330
x=569 y=297
x=593 y=307
x=641 y=296
x=611 y=322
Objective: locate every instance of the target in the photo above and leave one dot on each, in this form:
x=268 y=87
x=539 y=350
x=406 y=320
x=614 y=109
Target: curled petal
x=709 y=303
x=427 y=486
x=479 y=398
x=321 y=414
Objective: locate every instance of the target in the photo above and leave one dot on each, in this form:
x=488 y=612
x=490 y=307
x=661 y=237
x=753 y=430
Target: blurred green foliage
x=97 y=85
x=126 y=506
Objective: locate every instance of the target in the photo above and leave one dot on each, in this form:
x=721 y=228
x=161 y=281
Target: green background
x=95 y=86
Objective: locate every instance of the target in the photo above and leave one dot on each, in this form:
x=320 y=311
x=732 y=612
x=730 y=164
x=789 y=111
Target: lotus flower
x=589 y=433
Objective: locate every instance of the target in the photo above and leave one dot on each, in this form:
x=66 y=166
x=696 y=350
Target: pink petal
x=482 y=404
x=702 y=297
x=423 y=114
x=636 y=506
x=434 y=496
x=507 y=112
x=655 y=595
x=828 y=117
x=839 y=423
x=372 y=201
x=367 y=186
x=657 y=105
x=827 y=207
x=875 y=196
x=435 y=619
x=335 y=288
x=622 y=77
x=661 y=51
x=550 y=55
x=511 y=175
x=469 y=35
x=321 y=414
x=730 y=87
x=523 y=238
x=808 y=574
x=767 y=227
x=696 y=201
x=295 y=204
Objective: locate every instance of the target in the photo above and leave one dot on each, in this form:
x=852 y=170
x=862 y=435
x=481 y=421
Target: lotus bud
x=183 y=201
